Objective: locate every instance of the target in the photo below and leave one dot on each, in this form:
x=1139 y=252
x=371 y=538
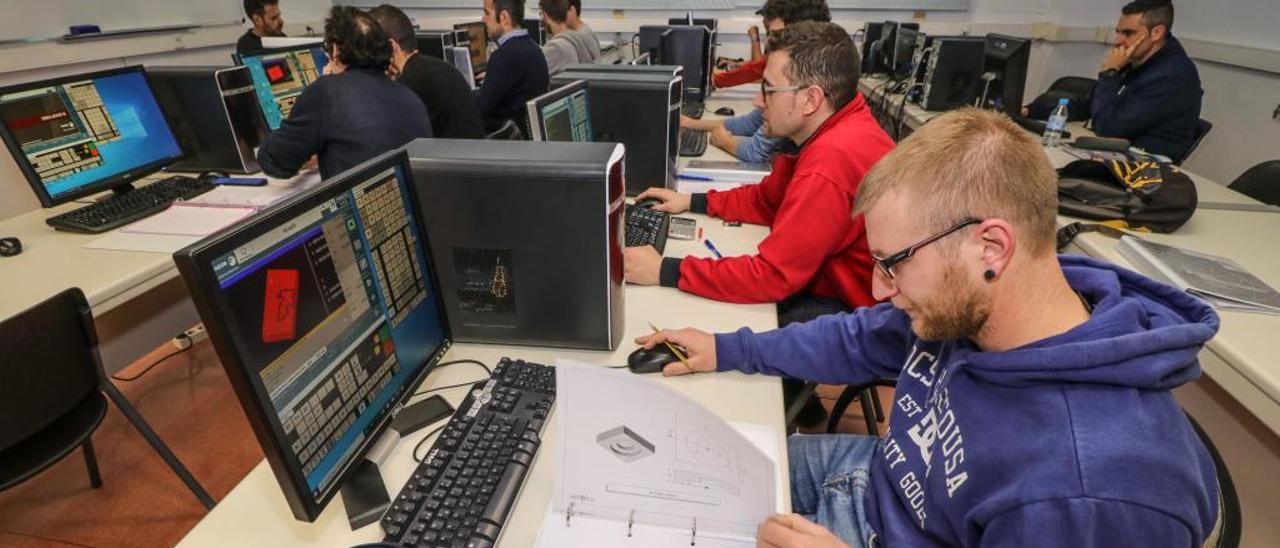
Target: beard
x=958 y=312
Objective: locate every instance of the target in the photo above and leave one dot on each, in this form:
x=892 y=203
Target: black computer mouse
x=724 y=111
x=10 y=247
x=652 y=360
x=648 y=203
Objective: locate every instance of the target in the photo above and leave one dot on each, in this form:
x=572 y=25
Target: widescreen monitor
x=280 y=75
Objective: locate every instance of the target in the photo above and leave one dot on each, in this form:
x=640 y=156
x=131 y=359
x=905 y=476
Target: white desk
x=255 y=512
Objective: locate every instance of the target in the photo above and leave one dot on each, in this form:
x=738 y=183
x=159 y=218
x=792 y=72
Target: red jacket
x=815 y=245
x=751 y=71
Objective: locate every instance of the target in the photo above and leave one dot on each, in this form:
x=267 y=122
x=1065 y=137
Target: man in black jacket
x=447 y=96
x=516 y=72
x=266 y=20
x=352 y=113
x=1149 y=90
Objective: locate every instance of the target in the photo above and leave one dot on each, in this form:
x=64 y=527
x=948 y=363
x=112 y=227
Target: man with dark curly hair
x=351 y=114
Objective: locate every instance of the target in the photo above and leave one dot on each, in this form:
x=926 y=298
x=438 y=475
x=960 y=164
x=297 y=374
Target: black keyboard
x=693 y=143
x=1037 y=126
x=693 y=109
x=646 y=227
x=466 y=485
x=122 y=209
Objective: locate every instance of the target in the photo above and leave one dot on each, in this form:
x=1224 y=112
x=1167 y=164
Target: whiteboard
x=681 y=5
x=1247 y=23
x=42 y=19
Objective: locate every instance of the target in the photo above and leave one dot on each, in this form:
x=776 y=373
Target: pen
x=672 y=347
x=694 y=177
x=715 y=252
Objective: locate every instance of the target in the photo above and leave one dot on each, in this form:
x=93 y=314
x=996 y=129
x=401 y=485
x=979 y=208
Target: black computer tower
x=214 y=114
x=525 y=238
x=952 y=72
x=435 y=43
x=641 y=110
x=870 y=33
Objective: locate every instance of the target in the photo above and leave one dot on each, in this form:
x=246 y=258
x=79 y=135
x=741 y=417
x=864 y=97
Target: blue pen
x=712 y=247
x=694 y=177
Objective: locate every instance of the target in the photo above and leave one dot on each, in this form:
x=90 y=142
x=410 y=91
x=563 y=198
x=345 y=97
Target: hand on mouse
x=699 y=346
x=672 y=201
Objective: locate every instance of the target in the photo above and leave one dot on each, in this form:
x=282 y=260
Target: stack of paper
x=1219 y=281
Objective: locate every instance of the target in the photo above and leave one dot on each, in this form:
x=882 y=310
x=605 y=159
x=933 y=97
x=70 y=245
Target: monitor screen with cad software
x=78 y=135
x=562 y=114
x=279 y=76
x=324 y=315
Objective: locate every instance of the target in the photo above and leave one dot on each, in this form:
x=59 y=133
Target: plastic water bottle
x=1056 y=124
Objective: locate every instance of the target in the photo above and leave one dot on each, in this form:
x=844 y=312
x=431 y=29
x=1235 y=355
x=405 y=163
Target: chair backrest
x=1078 y=85
x=48 y=364
x=1203 y=127
x=508 y=131
x=1226 y=532
x=1260 y=182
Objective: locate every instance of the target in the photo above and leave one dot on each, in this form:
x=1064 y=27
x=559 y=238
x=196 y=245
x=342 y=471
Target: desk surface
x=1240 y=357
x=255 y=512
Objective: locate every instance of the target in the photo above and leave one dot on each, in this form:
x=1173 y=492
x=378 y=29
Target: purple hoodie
x=1074 y=440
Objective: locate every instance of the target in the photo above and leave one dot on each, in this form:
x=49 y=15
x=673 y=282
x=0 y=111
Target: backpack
x=1133 y=194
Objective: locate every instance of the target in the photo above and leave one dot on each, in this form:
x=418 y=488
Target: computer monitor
x=1005 y=73
x=870 y=33
x=951 y=71
x=888 y=41
x=563 y=114
x=709 y=22
x=78 y=135
x=906 y=42
x=325 y=314
x=460 y=57
x=477 y=42
x=689 y=47
x=537 y=31
x=435 y=43
x=279 y=76
x=214 y=114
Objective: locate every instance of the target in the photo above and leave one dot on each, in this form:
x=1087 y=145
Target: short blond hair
x=971 y=163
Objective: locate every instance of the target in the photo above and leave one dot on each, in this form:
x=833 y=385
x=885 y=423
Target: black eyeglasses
x=887 y=264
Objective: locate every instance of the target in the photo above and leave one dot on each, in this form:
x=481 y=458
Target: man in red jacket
x=775 y=14
x=816 y=248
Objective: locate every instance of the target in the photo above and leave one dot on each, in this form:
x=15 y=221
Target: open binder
x=641 y=465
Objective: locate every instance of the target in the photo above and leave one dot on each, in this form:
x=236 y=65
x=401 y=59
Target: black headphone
x=10 y=247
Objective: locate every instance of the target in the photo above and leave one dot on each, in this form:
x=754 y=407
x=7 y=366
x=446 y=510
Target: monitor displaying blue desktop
x=563 y=114
x=79 y=135
x=323 y=315
x=280 y=75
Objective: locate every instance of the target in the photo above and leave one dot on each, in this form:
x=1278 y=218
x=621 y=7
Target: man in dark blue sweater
x=516 y=72
x=1149 y=90
x=1033 y=403
x=351 y=114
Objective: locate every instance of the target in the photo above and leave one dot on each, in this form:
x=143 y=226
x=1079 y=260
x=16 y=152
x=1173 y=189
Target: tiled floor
x=189 y=402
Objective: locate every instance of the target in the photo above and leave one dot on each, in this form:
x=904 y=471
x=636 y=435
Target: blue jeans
x=830 y=475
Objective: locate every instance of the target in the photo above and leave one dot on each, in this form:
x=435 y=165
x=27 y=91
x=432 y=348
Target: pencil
x=672 y=347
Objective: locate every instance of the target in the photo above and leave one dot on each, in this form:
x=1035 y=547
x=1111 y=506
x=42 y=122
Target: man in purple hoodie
x=1033 y=404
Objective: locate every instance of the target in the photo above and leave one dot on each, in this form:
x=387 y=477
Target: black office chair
x=1226 y=532
x=1260 y=182
x=508 y=131
x=866 y=394
x=1203 y=127
x=52 y=393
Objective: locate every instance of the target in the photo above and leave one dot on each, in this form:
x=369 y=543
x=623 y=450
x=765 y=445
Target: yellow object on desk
x=672 y=347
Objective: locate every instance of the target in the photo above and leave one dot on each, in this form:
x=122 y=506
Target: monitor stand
x=117 y=191
x=364 y=494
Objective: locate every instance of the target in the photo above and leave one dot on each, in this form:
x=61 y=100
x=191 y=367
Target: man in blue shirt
x=1033 y=403
x=517 y=71
x=1148 y=90
x=742 y=136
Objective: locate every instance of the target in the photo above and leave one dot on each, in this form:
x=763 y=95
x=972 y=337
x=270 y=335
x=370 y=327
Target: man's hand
x=722 y=139
x=700 y=348
x=641 y=265
x=753 y=33
x=672 y=201
x=794 y=531
x=1119 y=56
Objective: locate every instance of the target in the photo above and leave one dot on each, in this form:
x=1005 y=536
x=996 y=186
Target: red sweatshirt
x=815 y=245
x=751 y=71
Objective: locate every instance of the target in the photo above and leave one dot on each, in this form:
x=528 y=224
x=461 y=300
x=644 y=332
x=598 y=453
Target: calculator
x=682 y=228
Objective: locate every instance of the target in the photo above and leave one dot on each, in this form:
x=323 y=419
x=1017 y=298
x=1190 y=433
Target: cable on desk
x=418 y=446
x=153 y=364
x=456 y=362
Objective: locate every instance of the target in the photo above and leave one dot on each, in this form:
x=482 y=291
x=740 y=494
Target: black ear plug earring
x=989 y=274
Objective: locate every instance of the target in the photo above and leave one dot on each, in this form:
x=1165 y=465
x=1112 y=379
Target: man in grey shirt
x=574 y=18
x=566 y=45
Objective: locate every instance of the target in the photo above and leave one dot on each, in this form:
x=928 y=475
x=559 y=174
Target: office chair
x=1260 y=182
x=1081 y=89
x=866 y=394
x=508 y=131
x=1203 y=127
x=52 y=389
x=1226 y=531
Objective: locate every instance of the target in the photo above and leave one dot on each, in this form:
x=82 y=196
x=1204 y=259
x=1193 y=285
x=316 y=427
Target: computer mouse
x=652 y=360
x=724 y=111
x=648 y=203
x=10 y=247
